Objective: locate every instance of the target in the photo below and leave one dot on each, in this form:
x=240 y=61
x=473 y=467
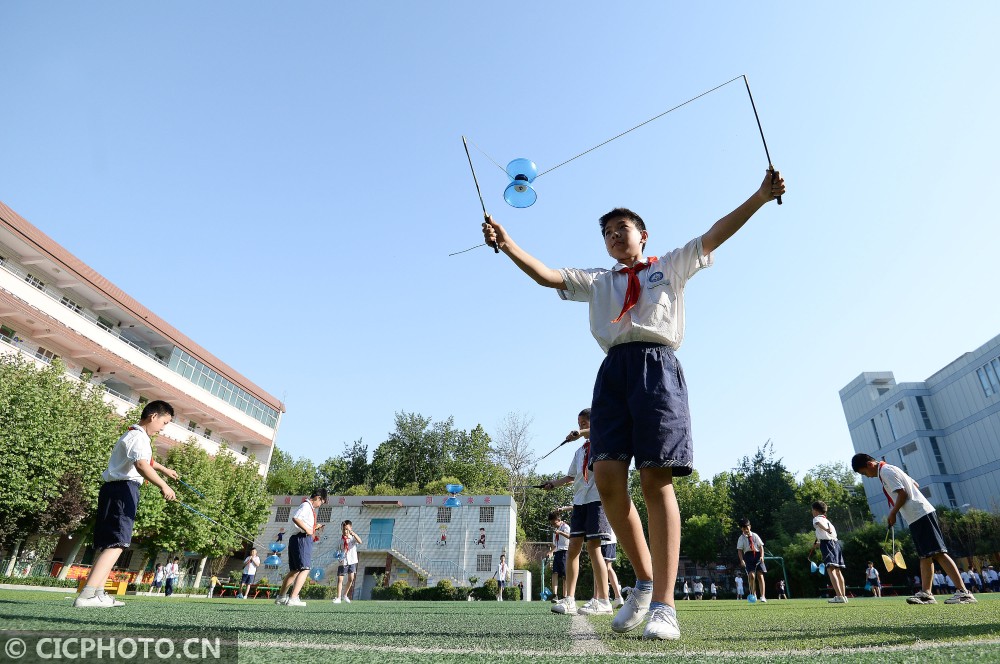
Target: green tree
x=757 y=487
x=56 y=437
x=291 y=477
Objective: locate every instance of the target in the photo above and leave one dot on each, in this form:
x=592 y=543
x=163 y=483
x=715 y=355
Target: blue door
x=380 y=536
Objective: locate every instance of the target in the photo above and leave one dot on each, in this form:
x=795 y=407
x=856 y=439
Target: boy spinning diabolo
x=640 y=408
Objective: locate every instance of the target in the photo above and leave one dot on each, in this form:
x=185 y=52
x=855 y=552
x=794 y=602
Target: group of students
x=131 y=463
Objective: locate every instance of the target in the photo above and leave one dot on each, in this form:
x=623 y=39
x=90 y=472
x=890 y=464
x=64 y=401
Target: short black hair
x=744 y=522
x=860 y=460
x=554 y=514
x=318 y=493
x=585 y=413
x=627 y=214
x=819 y=506
x=157 y=407
x=346 y=522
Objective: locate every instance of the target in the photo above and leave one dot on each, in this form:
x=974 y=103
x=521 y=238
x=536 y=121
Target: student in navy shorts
x=300 y=546
x=639 y=409
x=131 y=462
x=559 y=549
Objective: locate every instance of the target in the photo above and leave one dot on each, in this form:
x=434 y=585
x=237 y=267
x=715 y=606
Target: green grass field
x=866 y=630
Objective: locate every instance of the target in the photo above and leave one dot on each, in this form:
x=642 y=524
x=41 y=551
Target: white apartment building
x=53 y=305
x=944 y=432
x=411 y=538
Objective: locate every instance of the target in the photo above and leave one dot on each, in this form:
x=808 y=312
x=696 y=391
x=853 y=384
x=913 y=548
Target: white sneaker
x=281 y=600
x=633 y=612
x=108 y=600
x=662 y=624
x=294 y=601
x=596 y=607
x=763 y=599
x=336 y=600
x=962 y=597
x=347 y=599
x=921 y=597
x=619 y=603
x=837 y=600
x=565 y=606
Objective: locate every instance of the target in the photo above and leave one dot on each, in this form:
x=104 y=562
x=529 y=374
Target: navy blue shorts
x=247 y=579
x=590 y=522
x=559 y=562
x=754 y=561
x=116 y=506
x=640 y=409
x=344 y=570
x=927 y=536
x=300 y=548
x=609 y=552
x=833 y=556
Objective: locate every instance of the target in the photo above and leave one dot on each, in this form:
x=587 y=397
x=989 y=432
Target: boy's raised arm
x=494 y=233
x=725 y=228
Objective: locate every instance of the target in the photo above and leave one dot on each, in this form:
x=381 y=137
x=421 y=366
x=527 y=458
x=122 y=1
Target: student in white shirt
x=300 y=547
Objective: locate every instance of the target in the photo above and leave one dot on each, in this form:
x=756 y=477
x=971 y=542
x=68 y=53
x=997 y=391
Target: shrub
x=397 y=591
x=46 y=581
x=317 y=591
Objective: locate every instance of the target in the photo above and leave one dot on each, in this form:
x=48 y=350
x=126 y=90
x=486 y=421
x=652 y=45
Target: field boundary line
x=681 y=651
x=585 y=638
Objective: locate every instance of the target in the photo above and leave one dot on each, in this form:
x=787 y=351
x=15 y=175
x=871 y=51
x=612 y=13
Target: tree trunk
x=9 y=569
x=201 y=570
x=71 y=558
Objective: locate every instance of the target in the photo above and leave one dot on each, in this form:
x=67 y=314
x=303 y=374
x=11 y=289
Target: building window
x=86 y=374
x=244 y=450
x=924 y=415
x=105 y=323
x=35 y=281
x=878 y=441
x=926 y=490
x=208 y=433
x=989 y=377
x=486 y=514
x=66 y=302
x=192 y=425
x=7 y=333
x=937 y=455
x=909 y=448
x=282 y=513
x=952 y=501
x=45 y=355
x=484 y=562
x=892 y=429
x=444 y=515
x=324 y=514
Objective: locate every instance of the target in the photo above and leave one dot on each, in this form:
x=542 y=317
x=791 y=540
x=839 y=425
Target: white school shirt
x=871 y=573
x=131 y=447
x=993 y=574
x=503 y=571
x=657 y=317
x=351 y=552
x=743 y=544
x=894 y=479
x=173 y=569
x=821 y=533
x=584 y=490
x=304 y=513
x=739 y=583
x=250 y=565
x=559 y=542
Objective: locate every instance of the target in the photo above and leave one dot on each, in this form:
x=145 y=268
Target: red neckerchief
x=634 y=288
x=315 y=520
x=892 y=503
x=586 y=459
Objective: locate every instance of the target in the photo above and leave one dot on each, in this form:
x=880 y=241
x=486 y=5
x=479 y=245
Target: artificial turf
x=867 y=630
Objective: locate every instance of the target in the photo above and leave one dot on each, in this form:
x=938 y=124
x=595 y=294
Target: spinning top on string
x=455 y=489
x=519 y=192
x=317 y=574
x=273 y=560
x=277 y=547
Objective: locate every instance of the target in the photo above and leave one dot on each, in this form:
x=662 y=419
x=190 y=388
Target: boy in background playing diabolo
x=905 y=497
x=348 y=567
x=829 y=547
x=300 y=547
x=559 y=551
x=640 y=409
x=131 y=462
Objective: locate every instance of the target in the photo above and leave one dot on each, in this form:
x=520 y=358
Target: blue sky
x=283 y=182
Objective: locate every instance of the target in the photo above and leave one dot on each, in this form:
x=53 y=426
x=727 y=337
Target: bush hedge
x=48 y=581
x=444 y=591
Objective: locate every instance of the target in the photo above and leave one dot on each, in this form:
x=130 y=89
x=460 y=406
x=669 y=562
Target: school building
x=944 y=432
x=416 y=539
x=53 y=305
